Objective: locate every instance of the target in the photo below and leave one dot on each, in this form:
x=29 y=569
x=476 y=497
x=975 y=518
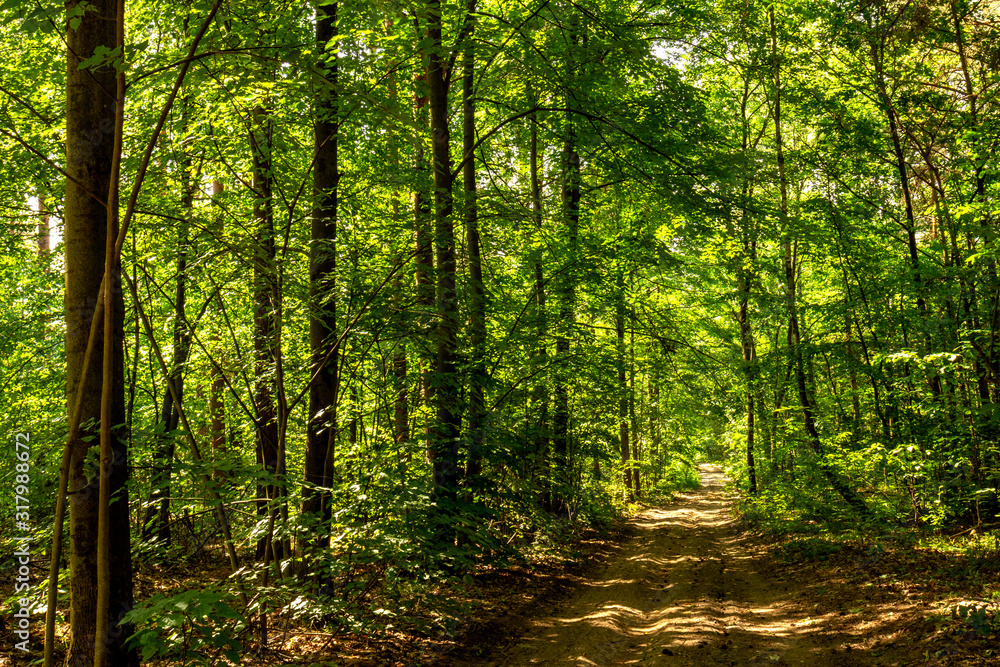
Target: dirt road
x=687 y=590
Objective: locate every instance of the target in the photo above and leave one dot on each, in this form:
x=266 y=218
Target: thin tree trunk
x=623 y=421
x=987 y=427
x=744 y=281
x=540 y=356
x=217 y=387
x=849 y=495
x=401 y=398
x=852 y=370
x=747 y=347
x=264 y=281
x=633 y=422
x=43 y=239
x=477 y=289
x=423 y=247
x=655 y=431
x=157 y=520
x=567 y=309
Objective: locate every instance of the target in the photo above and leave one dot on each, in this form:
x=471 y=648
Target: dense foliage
x=410 y=287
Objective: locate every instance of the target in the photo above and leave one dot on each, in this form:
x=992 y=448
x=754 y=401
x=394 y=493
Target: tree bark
x=623 y=420
x=423 y=247
x=401 y=398
x=157 y=520
x=325 y=354
x=540 y=357
x=217 y=387
x=634 y=422
x=477 y=289
x=567 y=311
x=443 y=452
x=90 y=146
x=265 y=304
x=43 y=239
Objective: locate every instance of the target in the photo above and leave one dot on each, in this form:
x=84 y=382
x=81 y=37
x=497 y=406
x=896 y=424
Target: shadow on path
x=687 y=589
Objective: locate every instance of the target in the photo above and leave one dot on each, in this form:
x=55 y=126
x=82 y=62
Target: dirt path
x=687 y=590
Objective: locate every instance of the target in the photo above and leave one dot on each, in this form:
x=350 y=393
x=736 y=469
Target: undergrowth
x=809 y=524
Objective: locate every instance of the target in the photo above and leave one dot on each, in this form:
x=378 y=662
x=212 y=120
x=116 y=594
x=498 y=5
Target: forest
x=322 y=318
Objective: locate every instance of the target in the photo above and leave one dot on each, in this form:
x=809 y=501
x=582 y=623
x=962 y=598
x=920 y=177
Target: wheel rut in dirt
x=686 y=590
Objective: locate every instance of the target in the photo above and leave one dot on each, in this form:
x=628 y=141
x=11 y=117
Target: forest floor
x=687 y=585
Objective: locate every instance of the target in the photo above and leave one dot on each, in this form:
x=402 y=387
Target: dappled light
x=691 y=588
x=499 y=333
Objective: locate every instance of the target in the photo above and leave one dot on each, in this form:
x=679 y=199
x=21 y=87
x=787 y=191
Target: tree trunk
x=623 y=421
x=264 y=288
x=217 y=386
x=987 y=426
x=540 y=357
x=90 y=104
x=567 y=310
x=423 y=247
x=401 y=398
x=44 y=239
x=633 y=421
x=849 y=495
x=443 y=452
x=852 y=362
x=477 y=289
x=157 y=520
x=323 y=393
x=744 y=269
x=655 y=431
x=749 y=370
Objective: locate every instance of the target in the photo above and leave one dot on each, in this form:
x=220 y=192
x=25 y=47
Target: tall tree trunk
x=323 y=393
x=655 y=430
x=623 y=421
x=987 y=425
x=852 y=363
x=749 y=370
x=443 y=452
x=849 y=495
x=157 y=520
x=401 y=396
x=398 y=368
x=477 y=289
x=634 y=423
x=539 y=358
x=90 y=103
x=904 y=180
x=567 y=310
x=423 y=246
x=265 y=305
x=877 y=47
x=217 y=385
x=744 y=279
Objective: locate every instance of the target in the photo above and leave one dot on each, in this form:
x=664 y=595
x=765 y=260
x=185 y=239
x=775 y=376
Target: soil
x=688 y=587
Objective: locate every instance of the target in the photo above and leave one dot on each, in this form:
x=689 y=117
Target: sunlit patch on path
x=687 y=590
